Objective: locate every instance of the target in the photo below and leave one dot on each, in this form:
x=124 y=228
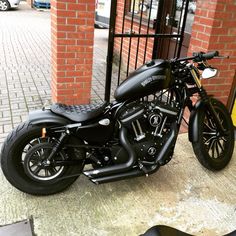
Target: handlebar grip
x=201 y=56
x=210 y=55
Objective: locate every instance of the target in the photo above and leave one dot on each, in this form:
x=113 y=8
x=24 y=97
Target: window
x=144 y=8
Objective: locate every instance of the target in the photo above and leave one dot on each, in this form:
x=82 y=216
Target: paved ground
x=181 y=194
x=25 y=65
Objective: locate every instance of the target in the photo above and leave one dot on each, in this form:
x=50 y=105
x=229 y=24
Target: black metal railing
x=160 y=30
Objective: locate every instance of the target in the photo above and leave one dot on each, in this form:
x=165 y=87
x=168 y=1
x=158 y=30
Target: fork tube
x=181 y=113
x=207 y=100
x=196 y=79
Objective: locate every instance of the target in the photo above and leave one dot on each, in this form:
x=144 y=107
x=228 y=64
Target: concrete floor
x=181 y=194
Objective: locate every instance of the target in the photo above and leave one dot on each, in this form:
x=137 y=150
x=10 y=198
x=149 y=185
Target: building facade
x=212 y=27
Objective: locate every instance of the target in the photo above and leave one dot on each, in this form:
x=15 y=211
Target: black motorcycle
x=164 y=230
x=132 y=136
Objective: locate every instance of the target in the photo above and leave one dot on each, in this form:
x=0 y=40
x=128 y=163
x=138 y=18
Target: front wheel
x=23 y=161
x=214 y=150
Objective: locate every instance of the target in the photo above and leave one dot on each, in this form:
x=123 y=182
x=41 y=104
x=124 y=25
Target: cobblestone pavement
x=25 y=65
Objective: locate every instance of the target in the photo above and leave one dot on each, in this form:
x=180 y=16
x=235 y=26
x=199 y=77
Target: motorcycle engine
x=148 y=124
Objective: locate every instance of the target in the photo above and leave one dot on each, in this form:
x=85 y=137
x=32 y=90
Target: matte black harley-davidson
x=132 y=136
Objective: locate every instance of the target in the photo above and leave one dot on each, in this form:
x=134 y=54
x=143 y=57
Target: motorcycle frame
x=180 y=87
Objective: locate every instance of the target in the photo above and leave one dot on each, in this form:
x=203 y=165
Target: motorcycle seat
x=78 y=113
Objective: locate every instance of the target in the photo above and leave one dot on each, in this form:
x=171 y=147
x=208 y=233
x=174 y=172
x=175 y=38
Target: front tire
x=15 y=152
x=214 y=150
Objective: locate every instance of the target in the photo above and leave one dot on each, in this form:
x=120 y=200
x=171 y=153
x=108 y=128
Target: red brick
x=65 y=55
x=198 y=28
x=60 y=34
x=231 y=7
x=233 y=66
x=231 y=46
x=60 y=21
x=76 y=21
x=66 y=13
x=232 y=31
x=65 y=80
x=73 y=73
x=66 y=28
x=66 y=41
x=59 y=5
x=85 y=28
x=65 y=67
x=229 y=23
x=86 y=15
x=91 y=7
x=76 y=35
x=77 y=7
x=84 y=42
x=75 y=48
x=75 y=61
x=202 y=36
x=220 y=6
x=67 y=1
x=216 y=45
x=220 y=31
x=227 y=38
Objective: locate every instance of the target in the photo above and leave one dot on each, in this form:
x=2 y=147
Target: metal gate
x=141 y=30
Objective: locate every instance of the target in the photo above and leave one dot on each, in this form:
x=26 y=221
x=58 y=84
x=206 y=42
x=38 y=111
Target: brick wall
x=133 y=44
x=72 y=25
x=214 y=28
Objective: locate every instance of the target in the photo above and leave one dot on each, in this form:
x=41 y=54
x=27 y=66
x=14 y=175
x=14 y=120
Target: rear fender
x=46 y=117
x=193 y=128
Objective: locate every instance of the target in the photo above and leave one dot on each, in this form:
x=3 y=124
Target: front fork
x=207 y=101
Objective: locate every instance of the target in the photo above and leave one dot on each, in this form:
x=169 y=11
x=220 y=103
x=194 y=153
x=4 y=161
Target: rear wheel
x=24 y=164
x=4 y=5
x=214 y=150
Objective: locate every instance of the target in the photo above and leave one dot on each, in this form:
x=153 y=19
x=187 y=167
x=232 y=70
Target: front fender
x=46 y=117
x=193 y=121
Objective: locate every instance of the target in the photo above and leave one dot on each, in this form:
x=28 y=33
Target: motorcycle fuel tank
x=147 y=79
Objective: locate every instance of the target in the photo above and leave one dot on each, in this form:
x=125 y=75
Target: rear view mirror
x=209 y=73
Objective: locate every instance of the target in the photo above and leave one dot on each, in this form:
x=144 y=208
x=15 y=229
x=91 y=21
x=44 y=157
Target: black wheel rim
x=38 y=167
x=214 y=142
x=34 y=142
x=29 y=164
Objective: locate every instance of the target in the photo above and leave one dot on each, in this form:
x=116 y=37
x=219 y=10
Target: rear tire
x=23 y=140
x=213 y=150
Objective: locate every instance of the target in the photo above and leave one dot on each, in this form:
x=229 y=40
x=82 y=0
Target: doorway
x=141 y=30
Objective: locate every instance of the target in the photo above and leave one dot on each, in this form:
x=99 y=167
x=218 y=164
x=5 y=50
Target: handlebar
x=201 y=56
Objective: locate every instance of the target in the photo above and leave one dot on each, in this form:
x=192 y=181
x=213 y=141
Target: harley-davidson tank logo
x=153 y=78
